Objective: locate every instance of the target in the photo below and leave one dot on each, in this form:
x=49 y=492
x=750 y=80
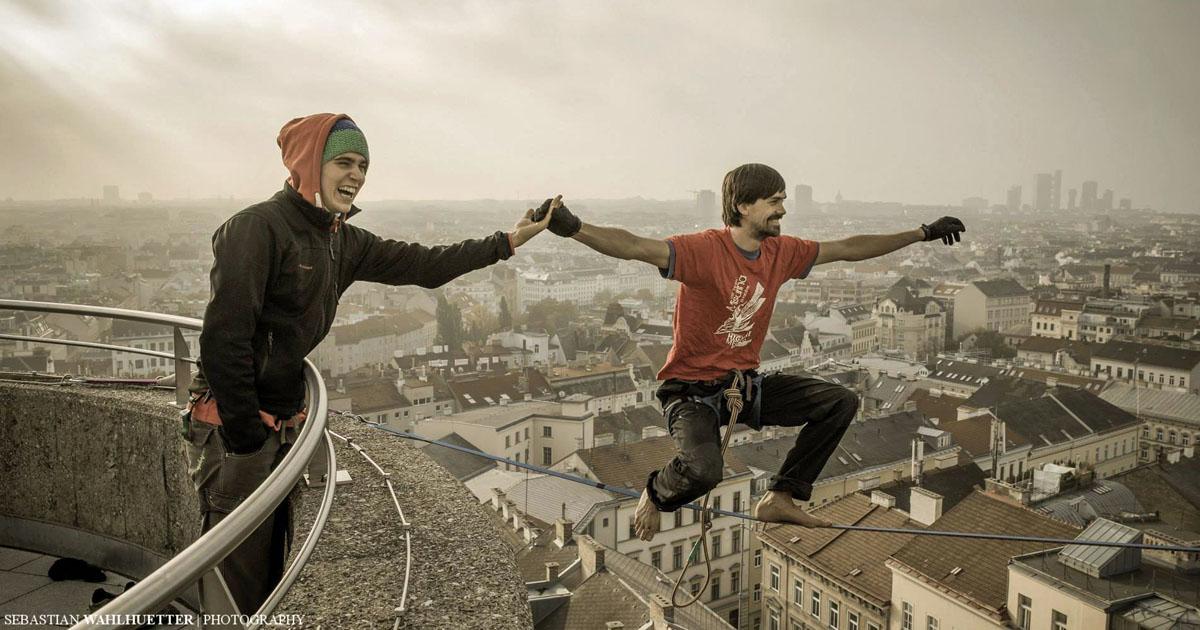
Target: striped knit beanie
x=345 y=136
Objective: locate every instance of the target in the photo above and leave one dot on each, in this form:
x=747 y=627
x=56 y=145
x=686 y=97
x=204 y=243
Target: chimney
x=341 y=386
x=882 y=498
x=613 y=625
x=497 y=498
x=551 y=572
x=918 y=459
x=662 y=612
x=924 y=506
x=591 y=556
x=563 y=529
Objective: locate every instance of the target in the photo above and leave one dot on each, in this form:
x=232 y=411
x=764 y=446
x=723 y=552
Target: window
x=816 y=604
x=774 y=577
x=526 y=433
x=773 y=618
x=546 y=432
x=517 y=437
x=656 y=559
x=736 y=536
x=871 y=626
x=798 y=592
x=678 y=518
x=758 y=557
x=735 y=581
x=694 y=587
x=547 y=456
x=716 y=505
x=1024 y=612
x=737 y=501
x=1058 y=621
x=715 y=590
x=852 y=621
x=1158 y=434
x=834 y=615
x=757 y=592
x=632 y=533
x=735 y=618
x=677 y=557
x=716 y=545
x=931 y=622
x=906 y=616
x=1171 y=436
x=507 y=441
x=1185 y=439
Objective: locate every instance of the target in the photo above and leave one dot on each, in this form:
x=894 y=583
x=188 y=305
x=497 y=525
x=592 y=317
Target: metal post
x=183 y=373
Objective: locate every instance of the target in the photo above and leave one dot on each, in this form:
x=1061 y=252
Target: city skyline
x=462 y=102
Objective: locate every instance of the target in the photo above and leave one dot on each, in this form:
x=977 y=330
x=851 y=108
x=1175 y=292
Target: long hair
x=747 y=184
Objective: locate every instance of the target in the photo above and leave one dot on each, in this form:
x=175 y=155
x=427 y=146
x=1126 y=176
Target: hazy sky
x=921 y=102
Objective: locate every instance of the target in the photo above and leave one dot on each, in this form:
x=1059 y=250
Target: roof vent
x=794 y=539
x=855 y=571
x=956 y=570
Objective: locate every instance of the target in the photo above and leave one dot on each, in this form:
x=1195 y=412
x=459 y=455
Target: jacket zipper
x=270 y=348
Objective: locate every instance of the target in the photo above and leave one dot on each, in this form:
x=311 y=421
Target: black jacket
x=278 y=272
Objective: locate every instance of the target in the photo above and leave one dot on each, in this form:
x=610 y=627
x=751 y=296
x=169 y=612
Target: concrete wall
x=103 y=460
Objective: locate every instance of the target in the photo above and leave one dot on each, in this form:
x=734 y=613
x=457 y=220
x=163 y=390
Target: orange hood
x=302 y=141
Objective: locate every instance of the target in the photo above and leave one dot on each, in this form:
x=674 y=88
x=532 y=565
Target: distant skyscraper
x=706 y=203
x=1126 y=204
x=1043 y=193
x=974 y=203
x=1089 y=196
x=1107 y=202
x=112 y=194
x=1071 y=199
x=1014 y=199
x=1056 y=192
x=804 y=200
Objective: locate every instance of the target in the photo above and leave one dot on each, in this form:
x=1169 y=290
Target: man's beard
x=766 y=230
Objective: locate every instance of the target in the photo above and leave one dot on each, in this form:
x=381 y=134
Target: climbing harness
x=733 y=401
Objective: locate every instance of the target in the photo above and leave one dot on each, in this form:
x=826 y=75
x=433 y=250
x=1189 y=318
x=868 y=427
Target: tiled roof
x=630 y=419
x=974 y=435
x=953 y=484
x=1055 y=307
x=473 y=392
x=944 y=408
x=1062 y=415
x=1105 y=499
x=374 y=327
x=1148 y=355
x=855 y=559
x=531 y=561
x=960 y=372
x=1161 y=403
x=462 y=465
x=983 y=564
x=377 y=395
x=629 y=465
x=545 y=497
x=1000 y=288
x=1004 y=389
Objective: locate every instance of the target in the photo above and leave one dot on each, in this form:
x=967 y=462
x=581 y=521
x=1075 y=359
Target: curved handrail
x=166 y=583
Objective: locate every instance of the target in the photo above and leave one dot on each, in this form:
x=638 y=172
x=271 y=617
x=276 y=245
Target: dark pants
x=222 y=481
x=825 y=409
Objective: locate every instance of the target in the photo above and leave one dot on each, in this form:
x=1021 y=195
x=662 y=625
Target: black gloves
x=945 y=228
x=563 y=223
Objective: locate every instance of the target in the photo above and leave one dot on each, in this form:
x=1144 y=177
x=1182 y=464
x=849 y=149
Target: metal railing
x=200 y=560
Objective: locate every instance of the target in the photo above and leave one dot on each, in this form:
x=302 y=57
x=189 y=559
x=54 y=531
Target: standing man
x=279 y=268
x=728 y=281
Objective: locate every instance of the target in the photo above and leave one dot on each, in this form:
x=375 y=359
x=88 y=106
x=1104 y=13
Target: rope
x=733 y=400
x=746 y=517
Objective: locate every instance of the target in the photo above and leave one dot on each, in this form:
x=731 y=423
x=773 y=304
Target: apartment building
x=611 y=523
x=1170 y=419
x=1154 y=366
x=912 y=325
x=854 y=321
x=996 y=305
x=525 y=431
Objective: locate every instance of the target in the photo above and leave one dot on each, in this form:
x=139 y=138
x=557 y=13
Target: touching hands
x=564 y=223
x=531 y=224
x=946 y=228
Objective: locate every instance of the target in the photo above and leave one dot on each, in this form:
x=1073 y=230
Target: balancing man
x=728 y=282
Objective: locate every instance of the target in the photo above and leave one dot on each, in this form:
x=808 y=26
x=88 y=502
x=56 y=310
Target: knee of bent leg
x=707 y=468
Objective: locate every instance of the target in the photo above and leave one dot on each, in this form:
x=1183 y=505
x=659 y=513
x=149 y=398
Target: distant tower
x=1041 y=199
x=1014 y=199
x=1107 y=202
x=1056 y=192
x=706 y=202
x=1088 y=202
x=1071 y=199
x=804 y=200
x=838 y=198
x=112 y=194
x=1126 y=204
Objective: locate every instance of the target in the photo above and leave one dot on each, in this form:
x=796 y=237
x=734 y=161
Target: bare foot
x=646 y=519
x=778 y=507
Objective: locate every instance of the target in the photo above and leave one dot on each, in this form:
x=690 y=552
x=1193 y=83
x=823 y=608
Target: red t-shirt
x=725 y=300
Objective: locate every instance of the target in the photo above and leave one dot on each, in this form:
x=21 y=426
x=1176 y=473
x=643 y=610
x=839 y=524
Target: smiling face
x=341 y=180
x=762 y=218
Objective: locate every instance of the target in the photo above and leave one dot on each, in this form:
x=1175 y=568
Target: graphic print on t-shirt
x=738 y=327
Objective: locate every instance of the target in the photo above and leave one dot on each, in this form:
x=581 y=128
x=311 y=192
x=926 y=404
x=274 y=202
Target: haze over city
x=925 y=103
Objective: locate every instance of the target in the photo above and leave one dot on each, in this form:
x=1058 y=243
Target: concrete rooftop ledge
x=463 y=574
x=108 y=461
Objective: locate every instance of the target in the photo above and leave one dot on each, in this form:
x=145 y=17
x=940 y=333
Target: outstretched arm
x=609 y=241
x=866 y=246
x=625 y=245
